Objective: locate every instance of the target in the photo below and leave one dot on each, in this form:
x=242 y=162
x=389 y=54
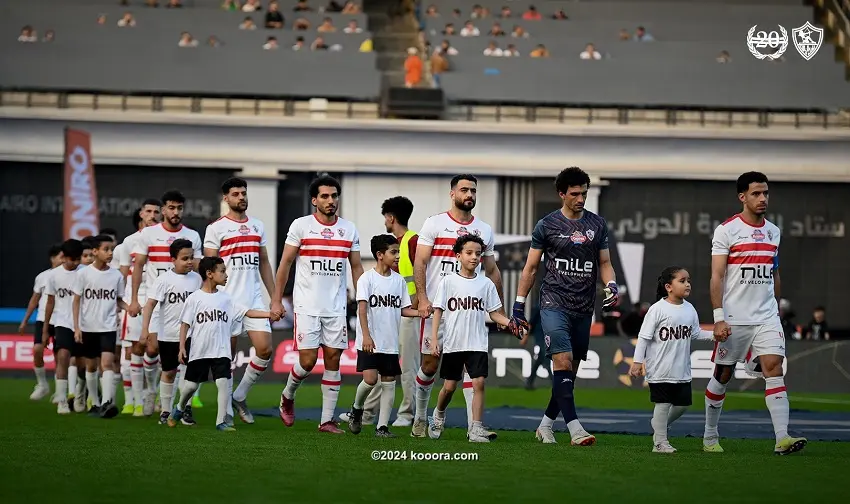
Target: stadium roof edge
x=458 y=127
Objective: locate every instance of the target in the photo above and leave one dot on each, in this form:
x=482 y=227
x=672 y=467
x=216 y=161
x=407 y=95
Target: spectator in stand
x=351 y=8
x=327 y=26
x=127 y=20
x=519 y=32
x=412 y=68
x=28 y=35
x=531 y=14
x=469 y=30
x=271 y=44
x=724 y=57
x=299 y=43
x=624 y=35
x=449 y=29
x=148 y=3
x=187 y=40
x=213 y=41
x=786 y=318
x=560 y=16
x=274 y=19
x=540 y=52
x=319 y=45
x=49 y=36
x=818 y=329
x=230 y=5
x=366 y=46
x=505 y=12
x=431 y=11
x=247 y=24
x=447 y=49
x=456 y=13
x=511 y=52
x=101 y=19
x=301 y=24
x=641 y=35
x=352 y=28
x=590 y=53
x=477 y=12
x=439 y=65
x=492 y=49
x=496 y=30
x=301 y=6
x=252 y=6
x=174 y=4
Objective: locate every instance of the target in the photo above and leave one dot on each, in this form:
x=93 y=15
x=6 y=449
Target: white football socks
x=424 y=384
x=256 y=368
x=776 y=398
x=137 y=379
x=223 y=386
x=40 y=376
x=387 y=401
x=108 y=386
x=363 y=390
x=331 y=383
x=91 y=386
x=715 y=394
x=296 y=375
x=659 y=422
x=166 y=396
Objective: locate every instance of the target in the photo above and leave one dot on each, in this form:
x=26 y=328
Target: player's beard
x=327 y=211
x=239 y=207
x=465 y=205
x=175 y=220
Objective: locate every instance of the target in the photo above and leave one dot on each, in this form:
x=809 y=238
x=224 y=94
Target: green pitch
x=48 y=458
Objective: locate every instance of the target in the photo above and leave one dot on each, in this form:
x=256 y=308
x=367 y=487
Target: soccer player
x=241 y=241
x=744 y=292
x=171 y=290
x=131 y=326
x=325 y=247
x=434 y=261
x=153 y=259
x=38 y=301
x=382 y=301
x=664 y=345
x=57 y=313
x=96 y=302
x=209 y=319
x=575 y=243
x=397 y=211
x=461 y=302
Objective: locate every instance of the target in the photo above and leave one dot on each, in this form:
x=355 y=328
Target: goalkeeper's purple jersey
x=571 y=257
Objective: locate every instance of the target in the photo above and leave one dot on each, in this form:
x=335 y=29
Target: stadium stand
x=697 y=68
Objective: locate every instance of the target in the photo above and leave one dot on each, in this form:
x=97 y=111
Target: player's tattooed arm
x=420 y=266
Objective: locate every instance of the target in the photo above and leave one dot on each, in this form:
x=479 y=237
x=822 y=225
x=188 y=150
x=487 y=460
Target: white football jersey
x=60 y=285
x=385 y=296
x=465 y=303
x=321 y=271
x=154 y=242
x=669 y=329
x=116 y=258
x=126 y=256
x=239 y=243
x=170 y=291
x=212 y=320
x=441 y=232
x=39 y=287
x=753 y=256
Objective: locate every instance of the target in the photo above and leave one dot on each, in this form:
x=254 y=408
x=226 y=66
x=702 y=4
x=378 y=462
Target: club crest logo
x=577 y=238
x=243 y=229
x=256 y=229
x=770 y=235
x=327 y=234
x=170 y=240
x=758 y=235
x=590 y=234
x=341 y=231
x=721 y=352
x=807 y=40
x=462 y=231
x=547 y=341
x=476 y=232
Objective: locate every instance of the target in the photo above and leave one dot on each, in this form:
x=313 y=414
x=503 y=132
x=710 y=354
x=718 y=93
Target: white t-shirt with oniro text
x=60 y=285
x=212 y=318
x=171 y=291
x=466 y=303
x=99 y=291
x=385 y=296
x=669 y=328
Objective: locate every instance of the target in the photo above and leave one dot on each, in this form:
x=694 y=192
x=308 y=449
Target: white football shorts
x=425 y=328
x=311 y=332
x=750 y=341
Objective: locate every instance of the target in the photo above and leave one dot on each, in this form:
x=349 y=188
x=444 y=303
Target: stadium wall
x=813 y=367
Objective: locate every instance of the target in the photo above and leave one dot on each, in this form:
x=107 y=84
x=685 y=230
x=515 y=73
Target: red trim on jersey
x=752 y=247
x=162 y=225
x=421 y=333
x=714 y=352
x=159 y=248
x=714 y=397
x=444 y=241
x=234 y=220
x=258 y=368
x=159 y=259
x=124 y=326
x=423 y=382
x=772 y=391
x=241 y=249
x=294 y=339
x=751 y=224
x=326 y=243
x=442 y=253
x=750 y=260
x=730 y=219
x=331 y=382
x=240 y=239
x=461 y=222
x=336 y=219
x=328 y=254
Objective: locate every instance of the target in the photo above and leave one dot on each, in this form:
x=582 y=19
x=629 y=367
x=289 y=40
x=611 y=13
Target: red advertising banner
x=80 y=213
x=16 y=353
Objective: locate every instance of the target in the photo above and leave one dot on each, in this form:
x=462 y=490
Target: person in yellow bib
x=397 y=211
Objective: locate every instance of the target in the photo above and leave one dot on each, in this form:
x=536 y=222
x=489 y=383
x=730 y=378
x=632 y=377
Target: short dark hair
x=99 y=240
x=819 y=308
x=571 y=177
x=667 y=276
x=72 y=249
x=151 y=201
x=208 y=264
x=751 y=177
x=88 y=243
x=400 y=207
x=54 y=250
x=109 y=231
x=463 y=176
x=467 y=238
x=381 y=243
x=173 y=196
x=137 y=218
x=231 y=183
x=178 y=245
x=324 y=180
